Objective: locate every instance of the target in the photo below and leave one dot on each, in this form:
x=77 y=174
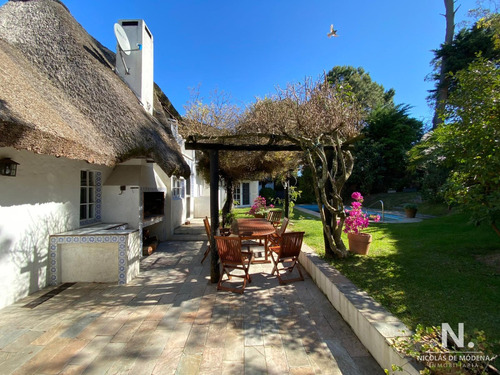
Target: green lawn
x=437 y=271
x=440 y=270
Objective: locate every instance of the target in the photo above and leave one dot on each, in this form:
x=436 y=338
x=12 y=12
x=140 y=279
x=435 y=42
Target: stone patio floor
x=172 y=320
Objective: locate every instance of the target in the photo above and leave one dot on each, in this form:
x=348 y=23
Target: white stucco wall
x=118 y=206
x=43 y=199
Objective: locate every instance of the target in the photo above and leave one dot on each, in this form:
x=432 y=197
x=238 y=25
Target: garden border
x=375 y=327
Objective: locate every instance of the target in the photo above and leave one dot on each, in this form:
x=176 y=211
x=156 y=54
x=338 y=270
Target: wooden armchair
x=207 y=229
x=274 y=217
x=287 y=252
x=231 y=259
x=275 y=238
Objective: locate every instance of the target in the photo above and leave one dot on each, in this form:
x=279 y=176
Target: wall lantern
x=8 y=167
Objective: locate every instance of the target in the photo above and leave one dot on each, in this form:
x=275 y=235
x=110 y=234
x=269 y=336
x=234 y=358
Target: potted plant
x=259 y=208
x=410 y=210
x=355 y=222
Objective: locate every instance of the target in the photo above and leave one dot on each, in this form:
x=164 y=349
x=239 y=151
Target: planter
x=410 y=212
x=359 y=243
x=260 y=216
x=225 y=231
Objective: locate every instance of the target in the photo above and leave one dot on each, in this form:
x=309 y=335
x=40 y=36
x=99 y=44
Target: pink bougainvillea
x=259 y=206
x=357 y=220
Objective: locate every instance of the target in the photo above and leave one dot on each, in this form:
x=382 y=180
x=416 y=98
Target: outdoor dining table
x=254 y=229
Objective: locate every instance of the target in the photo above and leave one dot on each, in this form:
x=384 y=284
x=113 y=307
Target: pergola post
x=214 y=214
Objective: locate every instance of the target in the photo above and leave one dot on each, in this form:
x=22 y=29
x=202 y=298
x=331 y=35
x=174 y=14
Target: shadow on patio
x=171 y=319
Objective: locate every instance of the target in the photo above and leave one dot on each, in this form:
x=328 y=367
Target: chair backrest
x=282 y=229
x=274 y=216
x=207 y=226
x=229 y=249
x=291 y=243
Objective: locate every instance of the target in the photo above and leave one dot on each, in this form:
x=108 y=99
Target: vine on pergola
x=219 y=120
x=320 y=119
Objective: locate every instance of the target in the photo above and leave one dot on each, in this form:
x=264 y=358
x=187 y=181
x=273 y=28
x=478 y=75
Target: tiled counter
x=106 y=252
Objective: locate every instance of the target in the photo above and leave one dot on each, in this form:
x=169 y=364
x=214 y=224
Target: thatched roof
x=60 y=96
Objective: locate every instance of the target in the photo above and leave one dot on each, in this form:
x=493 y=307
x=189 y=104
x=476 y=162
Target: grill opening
x=154 y=204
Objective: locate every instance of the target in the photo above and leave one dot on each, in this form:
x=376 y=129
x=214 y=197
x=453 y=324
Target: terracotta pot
x=410 y=212
x=359 y=243
x=260 y=216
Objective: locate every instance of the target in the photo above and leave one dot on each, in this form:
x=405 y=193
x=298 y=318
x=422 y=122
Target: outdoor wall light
x=8 y=167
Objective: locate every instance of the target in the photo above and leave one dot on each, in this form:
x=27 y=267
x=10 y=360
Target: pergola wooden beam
x=213 y=148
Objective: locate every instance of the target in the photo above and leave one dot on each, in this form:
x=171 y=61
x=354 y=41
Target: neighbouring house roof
x=59 y=94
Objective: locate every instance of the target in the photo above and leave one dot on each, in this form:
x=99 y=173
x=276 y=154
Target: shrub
x=268 y=193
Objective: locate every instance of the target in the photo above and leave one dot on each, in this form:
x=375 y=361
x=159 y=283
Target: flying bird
x=332 y=32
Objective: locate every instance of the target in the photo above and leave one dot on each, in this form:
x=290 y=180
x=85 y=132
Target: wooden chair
x=274 y=217
x=232 y=258
x=207 y=229
x=275 y=238
x=287 y=252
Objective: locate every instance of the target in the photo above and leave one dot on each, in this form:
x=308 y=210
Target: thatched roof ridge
x=60 y=96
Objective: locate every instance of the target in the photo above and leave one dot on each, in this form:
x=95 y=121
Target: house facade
x=96 y=166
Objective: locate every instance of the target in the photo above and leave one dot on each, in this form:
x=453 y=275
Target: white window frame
x=178 y=188
x=237 y=193
x=88 y=189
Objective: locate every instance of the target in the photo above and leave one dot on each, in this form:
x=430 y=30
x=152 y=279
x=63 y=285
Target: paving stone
x=168 y=361
x=171 y=319
x=40 y=358
x=189 y=364
x=16 y=360
x=73 y=370
x=77 y=327
x=141 y=366
x=233 y=367
x=295 y=351
x=195 y=343
x=344 y=361
x=10 y=335
x=22 y=341
x=276 y=362
x=255 y=360
x=211 y=361
x=57 y=363
x=90 y=351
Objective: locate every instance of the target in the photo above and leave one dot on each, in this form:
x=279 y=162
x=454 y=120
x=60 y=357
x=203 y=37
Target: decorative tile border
x=56 y=241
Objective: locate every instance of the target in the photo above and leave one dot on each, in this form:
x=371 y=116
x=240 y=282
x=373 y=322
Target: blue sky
x=247 y=48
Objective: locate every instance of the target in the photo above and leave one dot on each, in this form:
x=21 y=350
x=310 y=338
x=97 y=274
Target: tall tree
x=368 y=93
x=322 y=119
x=467 y=142
x=481 y=39
x=442 y=85
x=381 y=157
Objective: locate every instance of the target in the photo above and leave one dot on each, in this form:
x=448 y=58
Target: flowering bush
x=356 y=220
x=259 y=206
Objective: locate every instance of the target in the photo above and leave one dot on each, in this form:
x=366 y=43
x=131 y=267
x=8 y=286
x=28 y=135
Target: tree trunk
x=228 y=204
x=495 y=228
x=442 y=87
x=328 y=200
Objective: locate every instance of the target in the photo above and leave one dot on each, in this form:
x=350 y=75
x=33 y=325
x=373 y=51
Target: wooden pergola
x=213 y=149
